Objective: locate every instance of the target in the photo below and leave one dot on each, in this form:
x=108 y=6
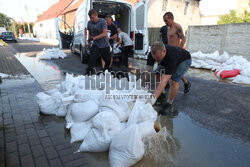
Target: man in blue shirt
x=97 y=28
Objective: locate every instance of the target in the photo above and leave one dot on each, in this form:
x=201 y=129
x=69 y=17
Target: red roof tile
x=133 y=1
x=55 y=10
x=75 y=6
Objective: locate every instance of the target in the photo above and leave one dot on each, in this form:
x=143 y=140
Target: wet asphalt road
x=220 y=107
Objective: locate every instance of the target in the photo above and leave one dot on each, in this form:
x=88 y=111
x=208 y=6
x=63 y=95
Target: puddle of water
x=48 y=76
x=202 y=147
x=187 y=145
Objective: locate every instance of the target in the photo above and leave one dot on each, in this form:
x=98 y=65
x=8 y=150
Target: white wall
x=232 y=38
x=45 y=29
x=155 y=13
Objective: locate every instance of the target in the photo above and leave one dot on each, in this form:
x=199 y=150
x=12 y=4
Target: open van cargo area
x=119 y=10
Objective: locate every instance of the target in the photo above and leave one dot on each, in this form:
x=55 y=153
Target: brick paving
x=26 y=137
x=9 y=64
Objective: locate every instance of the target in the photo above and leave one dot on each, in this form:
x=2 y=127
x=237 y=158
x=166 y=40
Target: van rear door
x=141 y=27
x=81 y=20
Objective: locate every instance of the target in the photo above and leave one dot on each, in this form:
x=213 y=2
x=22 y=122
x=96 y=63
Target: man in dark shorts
x=97 y=28
x=127 y=46
x=175 y=62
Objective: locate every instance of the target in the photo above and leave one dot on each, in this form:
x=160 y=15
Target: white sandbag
x=105 y=125
x=61 y=112
x=49 y=104
x=85 y=95
x=62 y=109
x=41 y=96
x=50 y=92
x=146 y=129
x=141 y=112
x=127 y=148
x=242 y=79
x=123 y=125
x=117 y=50
x=53 y=53
x=66 y=86
x=78 y=131
x=80 y=112
x=120 y=107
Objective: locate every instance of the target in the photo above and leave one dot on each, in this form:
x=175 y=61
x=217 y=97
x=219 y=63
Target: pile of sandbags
x=235 y=68
x=100 y=123
x=53 y=53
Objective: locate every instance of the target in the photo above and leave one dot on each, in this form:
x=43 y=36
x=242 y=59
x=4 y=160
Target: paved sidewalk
x=26 y=137
x=9 y=64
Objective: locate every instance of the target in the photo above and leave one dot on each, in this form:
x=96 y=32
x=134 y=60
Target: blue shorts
x=182 y=68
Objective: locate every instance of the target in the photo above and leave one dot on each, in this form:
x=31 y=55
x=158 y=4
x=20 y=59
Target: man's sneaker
x=169 y=110
x=187 y=87
x=161 y=99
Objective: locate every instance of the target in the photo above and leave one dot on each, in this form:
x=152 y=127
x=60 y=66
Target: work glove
x=90 y=40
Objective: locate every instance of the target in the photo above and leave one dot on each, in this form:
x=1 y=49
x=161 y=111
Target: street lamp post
x=14 y=24
x=28 y=19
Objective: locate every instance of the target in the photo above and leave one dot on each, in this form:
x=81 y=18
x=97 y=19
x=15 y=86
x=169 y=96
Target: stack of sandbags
x=235 y=68
x=54 y=53
x=101 y=123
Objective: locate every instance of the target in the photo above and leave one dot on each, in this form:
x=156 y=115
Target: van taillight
x=132 y=37
x=85 y=33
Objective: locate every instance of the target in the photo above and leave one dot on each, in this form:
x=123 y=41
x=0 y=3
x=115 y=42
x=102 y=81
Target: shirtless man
x=176 y=38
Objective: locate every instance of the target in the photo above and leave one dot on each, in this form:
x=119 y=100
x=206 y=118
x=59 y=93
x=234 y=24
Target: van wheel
x=71 y=48
x=83 y=57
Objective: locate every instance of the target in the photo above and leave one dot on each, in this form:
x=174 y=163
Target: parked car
x=132 y=20
x=8 y=36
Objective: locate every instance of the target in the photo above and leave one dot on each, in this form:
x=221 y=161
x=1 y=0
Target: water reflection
x=46 y=74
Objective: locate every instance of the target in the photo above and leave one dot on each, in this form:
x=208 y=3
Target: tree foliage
x=233 y=17
x=25 y=28
x=14 y=27
x=5 y=21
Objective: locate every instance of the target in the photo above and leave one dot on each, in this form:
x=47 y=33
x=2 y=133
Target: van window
x=139 y=18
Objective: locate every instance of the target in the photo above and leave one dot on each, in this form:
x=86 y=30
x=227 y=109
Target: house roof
x=55 y=10
x=75 y=6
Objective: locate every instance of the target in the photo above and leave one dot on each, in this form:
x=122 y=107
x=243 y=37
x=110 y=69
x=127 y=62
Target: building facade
x=186 y=12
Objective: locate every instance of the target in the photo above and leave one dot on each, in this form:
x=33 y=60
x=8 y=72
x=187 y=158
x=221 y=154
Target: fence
x=232 y=38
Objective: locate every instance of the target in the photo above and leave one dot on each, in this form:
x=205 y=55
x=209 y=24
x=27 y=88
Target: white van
x=132 y=20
